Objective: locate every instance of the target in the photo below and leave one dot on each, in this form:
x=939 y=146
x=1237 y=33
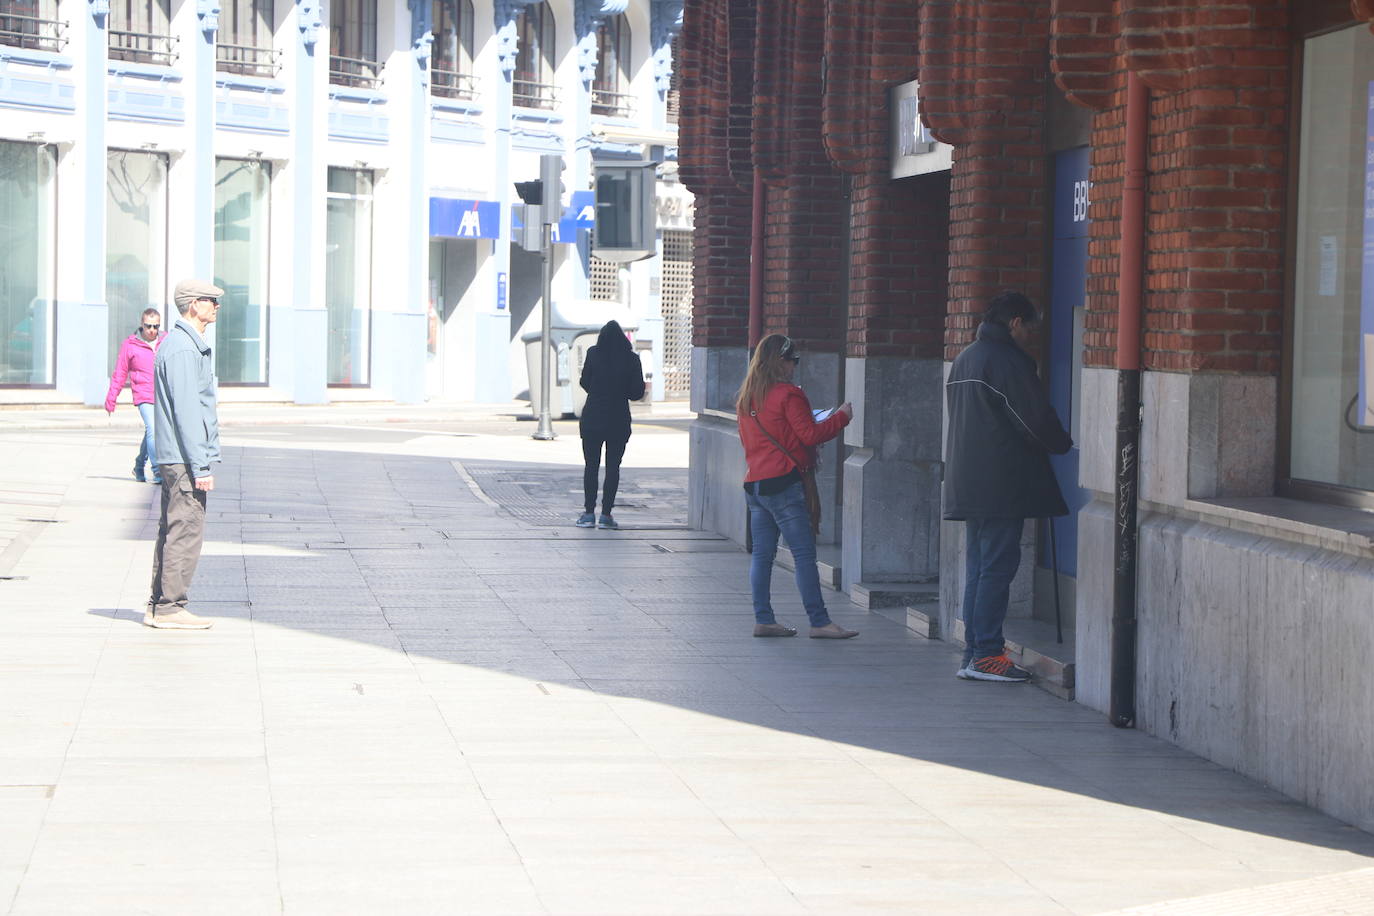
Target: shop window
x=141 y=30
x=353 y=44
x=242 y=201
x=26 y=264
x=348 y=277
x=450 y=72
x=32 y=24
x=1330 y=446
x=612 y=69
x=135 y=243
x=532 y=85
x=244 y=40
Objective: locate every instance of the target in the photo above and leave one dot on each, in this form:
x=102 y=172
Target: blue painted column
x=82 y=311
x=201 y=115
x=493 y=324
x=410 y=319
x=300 y=328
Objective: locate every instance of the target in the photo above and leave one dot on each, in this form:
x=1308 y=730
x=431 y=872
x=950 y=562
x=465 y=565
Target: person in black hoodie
x=1002 y=430
x=612 y=377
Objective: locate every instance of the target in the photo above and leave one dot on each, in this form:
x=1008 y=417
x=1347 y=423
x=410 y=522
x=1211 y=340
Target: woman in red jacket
x=780 y=437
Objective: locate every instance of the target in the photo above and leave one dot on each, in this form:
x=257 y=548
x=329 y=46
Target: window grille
x=677 y=313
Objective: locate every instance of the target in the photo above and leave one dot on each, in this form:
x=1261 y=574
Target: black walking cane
x=1054 y=562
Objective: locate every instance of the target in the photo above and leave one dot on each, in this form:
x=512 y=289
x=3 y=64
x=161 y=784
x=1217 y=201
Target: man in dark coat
x=1002 y=430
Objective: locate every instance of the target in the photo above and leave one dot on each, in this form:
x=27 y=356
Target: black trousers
x=591 y=454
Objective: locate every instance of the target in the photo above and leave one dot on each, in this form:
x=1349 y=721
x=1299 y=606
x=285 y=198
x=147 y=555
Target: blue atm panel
x=1063 y=349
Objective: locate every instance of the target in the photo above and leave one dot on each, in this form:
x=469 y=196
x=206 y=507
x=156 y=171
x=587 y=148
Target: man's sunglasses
x=151 y=327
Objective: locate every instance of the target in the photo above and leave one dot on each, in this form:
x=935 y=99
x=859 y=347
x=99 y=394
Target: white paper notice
x=1329 y=266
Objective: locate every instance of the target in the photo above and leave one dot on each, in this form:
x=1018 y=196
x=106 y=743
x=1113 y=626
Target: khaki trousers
x=179 y=536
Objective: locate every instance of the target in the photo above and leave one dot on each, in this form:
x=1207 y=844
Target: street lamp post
x=545 y=430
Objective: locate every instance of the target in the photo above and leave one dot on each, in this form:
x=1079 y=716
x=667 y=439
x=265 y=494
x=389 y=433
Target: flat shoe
x=773 y=629
x=832 y=631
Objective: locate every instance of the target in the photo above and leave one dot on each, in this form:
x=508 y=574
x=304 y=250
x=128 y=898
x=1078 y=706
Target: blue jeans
x=992 y=555
x=145 y=448
x=784 y=513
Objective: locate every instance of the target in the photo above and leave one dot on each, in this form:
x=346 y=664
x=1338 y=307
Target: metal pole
x=1130 y=285
x=1054 y=563
x=545 y=430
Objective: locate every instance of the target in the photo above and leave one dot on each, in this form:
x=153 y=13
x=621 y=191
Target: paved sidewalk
x=416 y=700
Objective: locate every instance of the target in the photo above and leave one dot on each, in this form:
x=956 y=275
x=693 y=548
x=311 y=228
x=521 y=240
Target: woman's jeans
x=591 y=456
x=784 y=512
x=145 y=448
x=992 y=552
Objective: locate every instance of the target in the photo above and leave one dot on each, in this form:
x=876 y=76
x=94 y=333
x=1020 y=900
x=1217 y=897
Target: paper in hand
x=822 y=415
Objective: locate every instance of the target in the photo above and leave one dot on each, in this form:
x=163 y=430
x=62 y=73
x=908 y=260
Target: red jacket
x=786 y=414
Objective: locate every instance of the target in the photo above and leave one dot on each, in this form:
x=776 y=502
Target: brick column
x=897 y=269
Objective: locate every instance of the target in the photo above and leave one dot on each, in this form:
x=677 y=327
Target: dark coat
x=1002 y=430
x=612 y=379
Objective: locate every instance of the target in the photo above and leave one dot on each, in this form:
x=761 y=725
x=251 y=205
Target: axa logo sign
x=463 y=218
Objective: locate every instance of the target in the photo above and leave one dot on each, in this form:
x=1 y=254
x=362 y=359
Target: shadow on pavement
x=398 y=554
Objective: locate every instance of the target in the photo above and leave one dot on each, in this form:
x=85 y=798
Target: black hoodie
x=612 y=376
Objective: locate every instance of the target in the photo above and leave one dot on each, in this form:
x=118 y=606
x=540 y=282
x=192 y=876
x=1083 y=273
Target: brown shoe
x=832 y=631
x=773 y=629
x=178 y=620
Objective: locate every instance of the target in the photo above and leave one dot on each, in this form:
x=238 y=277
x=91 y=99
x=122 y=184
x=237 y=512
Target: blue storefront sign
x=460 y=218
x=579 y=214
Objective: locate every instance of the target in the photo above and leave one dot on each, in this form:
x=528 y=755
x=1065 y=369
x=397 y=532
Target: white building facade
x=354 y=199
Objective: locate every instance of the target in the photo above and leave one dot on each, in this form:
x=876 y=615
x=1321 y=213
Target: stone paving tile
x=412 y=702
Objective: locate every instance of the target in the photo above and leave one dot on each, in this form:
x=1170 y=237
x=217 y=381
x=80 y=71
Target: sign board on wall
x=913 y=150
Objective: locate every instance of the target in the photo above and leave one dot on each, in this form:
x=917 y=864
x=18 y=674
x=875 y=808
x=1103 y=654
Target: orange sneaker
x=996 y=668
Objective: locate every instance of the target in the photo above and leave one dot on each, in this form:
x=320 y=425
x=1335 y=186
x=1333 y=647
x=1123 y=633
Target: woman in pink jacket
x=135 y=365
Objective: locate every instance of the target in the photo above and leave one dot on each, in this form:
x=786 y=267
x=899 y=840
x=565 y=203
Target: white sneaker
x=179 y=620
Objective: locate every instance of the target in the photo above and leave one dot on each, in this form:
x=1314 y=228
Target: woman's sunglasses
x=788 y=351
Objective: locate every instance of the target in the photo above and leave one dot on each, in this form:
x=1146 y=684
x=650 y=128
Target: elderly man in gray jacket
x=186 y=439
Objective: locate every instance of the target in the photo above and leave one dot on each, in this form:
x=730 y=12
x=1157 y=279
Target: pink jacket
x=134 y=364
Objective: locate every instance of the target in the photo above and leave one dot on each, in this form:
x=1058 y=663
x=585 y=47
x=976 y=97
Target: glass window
x=353 y=43
x=140 y=30
x=451 y=65
x=26 y=264
x=32 y=24
x=241 y=258
x=612 y=68
x=244 y=41
x=532 y=83
x=348 y=276
x=135 y=242
x=1332 y=419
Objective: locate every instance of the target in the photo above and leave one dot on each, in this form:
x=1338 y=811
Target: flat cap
x=189 y=291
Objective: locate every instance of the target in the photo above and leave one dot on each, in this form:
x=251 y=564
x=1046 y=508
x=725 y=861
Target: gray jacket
x=186 y=426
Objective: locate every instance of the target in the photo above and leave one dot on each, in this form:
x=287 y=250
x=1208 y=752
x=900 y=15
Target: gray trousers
x=179 y=536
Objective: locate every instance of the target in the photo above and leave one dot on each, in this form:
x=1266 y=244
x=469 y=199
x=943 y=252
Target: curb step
x=827 y=563
x=870 y=595
x=1032 y=649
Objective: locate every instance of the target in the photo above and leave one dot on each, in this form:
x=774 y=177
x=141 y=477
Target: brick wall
x=983 y=73
x=1219 y=72
x=806 y=218
x=713 y=128
x=899 y=258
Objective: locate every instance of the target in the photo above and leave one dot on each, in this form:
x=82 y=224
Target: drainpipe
x=756 y=265
x=1121 y=708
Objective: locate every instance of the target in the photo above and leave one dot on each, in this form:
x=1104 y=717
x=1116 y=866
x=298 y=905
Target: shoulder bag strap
x=764 y=430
